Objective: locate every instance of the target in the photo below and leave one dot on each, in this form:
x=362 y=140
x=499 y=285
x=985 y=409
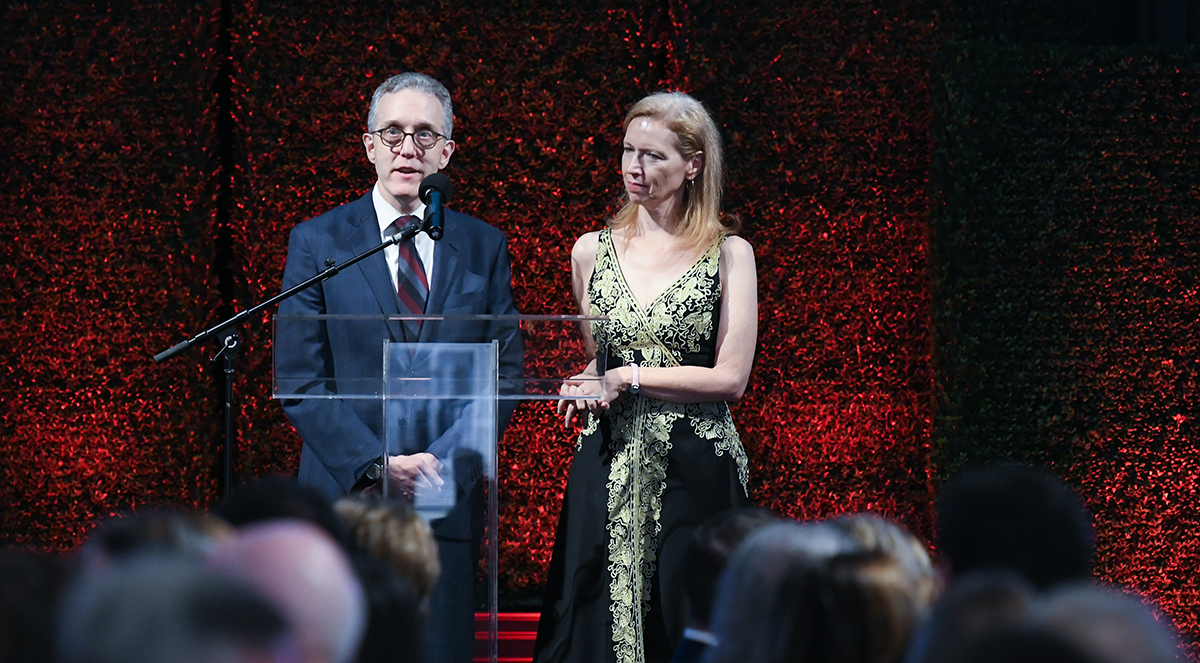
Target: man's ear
x=447 y=152
x=369 y=145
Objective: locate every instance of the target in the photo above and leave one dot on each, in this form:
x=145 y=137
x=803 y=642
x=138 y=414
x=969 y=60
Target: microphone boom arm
x=407 y=232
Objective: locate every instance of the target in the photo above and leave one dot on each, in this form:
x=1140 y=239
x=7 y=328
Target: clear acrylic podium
x=451 y=399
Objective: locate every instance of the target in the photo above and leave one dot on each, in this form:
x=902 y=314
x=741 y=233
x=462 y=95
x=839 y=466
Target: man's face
x=401 y=168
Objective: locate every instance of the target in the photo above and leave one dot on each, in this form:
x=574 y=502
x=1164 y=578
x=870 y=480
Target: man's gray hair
x=421 y=83
x=160 y=609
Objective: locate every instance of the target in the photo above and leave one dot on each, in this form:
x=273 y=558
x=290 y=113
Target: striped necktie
x=412 y=283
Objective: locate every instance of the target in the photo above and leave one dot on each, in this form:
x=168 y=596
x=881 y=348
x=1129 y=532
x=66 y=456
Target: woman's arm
x=737 y=338
x=583 y=263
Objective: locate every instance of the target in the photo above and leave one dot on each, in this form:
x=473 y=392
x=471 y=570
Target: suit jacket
x=690 y=651
x=342 y=437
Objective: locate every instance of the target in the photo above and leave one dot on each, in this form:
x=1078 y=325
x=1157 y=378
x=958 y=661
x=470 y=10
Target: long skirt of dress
x=578 y=611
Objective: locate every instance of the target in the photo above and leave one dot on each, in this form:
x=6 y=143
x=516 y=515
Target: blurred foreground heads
x=849 y=590
x=304 y=572
x=997 y=617
x=159 y=531
x=285 y=586
x=393 y=532
x=1018 y=546
x=1108 y=624
x=396 y=555
x=160 y=609
x=1017 y=518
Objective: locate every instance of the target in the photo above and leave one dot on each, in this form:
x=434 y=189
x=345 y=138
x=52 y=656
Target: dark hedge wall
x=1066 y=307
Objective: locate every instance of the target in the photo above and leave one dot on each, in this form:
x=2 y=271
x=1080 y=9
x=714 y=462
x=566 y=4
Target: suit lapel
x=365 y=236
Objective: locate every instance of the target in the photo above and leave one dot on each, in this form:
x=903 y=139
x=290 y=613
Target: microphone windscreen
x=437 y=181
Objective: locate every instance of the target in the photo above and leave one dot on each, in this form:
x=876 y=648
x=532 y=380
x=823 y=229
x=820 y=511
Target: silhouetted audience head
x=893 y=575
x=30 y=587
x=999 y=617
x=159 y=531
x=708 y=553
x=1015 y=517
x=277 y=498
x=754 y=595
x=912 y=574
x=308 y=576
x=392 y=531
x=1023 y=644
x=849 y=590
x=1108 y=624
x=394 y=621
x=973 y=606
x=154 y=609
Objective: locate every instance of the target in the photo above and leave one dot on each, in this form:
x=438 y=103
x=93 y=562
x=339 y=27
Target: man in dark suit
x=466 y=272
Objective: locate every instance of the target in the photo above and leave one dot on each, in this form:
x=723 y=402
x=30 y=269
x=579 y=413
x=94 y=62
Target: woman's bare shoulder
x=736 y=248
x=585 y=247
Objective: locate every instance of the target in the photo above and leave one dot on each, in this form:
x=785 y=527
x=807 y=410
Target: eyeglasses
x=425 y=139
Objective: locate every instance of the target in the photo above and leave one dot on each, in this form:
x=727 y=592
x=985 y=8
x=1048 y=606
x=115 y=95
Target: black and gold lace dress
x=644 y=475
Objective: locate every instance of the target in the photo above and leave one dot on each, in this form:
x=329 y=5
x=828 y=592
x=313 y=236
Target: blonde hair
x=392 y=531
x=700 y=221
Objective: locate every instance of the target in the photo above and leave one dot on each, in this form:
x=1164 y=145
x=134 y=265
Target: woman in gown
x=659 y=453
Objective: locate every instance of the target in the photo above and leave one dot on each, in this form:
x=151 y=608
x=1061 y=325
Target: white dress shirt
x=424 y=243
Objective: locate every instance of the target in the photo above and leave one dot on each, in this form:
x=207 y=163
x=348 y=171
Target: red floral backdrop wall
x=157 y=157
x=109 y=201
x=839 y=408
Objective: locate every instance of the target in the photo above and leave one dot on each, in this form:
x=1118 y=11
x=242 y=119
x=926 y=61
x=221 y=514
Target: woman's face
x=654 y=171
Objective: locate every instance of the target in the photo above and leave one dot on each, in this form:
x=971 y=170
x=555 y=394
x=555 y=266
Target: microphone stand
x=227 y=332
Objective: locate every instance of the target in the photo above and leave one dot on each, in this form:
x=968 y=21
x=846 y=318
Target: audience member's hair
x=160 y=530
x=894 y=577
x=770 y=562
x=1107 y=623
x=392 y=531
x=823 y=613
x=393 y=632
x=1097 y=624
x=30 y=587
x=155 y=609
x=972 y=606
x=308 y=576
x=279 y=498
x=1015 y=517
x=708 y=553
x=916 y=576
x=1023 y=644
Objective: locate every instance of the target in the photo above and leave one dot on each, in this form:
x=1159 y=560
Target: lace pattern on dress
x=679 y=320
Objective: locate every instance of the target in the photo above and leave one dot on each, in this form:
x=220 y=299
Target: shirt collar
x=385 y=213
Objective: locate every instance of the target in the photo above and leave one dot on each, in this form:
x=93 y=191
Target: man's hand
x=417 y=470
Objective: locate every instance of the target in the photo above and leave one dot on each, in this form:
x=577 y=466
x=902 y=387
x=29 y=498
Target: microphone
x=435 y=192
